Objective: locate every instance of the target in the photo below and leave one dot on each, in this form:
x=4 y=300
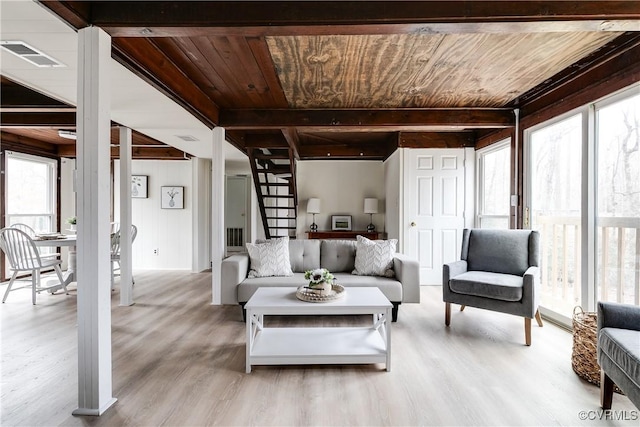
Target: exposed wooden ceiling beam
x=15 y=95
x=148 y=152
x=291 y=135
x=269 y=140
x=37 y=109
x=349 y=30
x=11 y=141
x=390 y=119
x=194 y=18
x=436 y=139
x=26 y=119
x=310 y=152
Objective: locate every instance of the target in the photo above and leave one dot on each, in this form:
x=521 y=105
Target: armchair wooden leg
x=447 y=313
x=527 y=330
x=538 y=318
x=462 y=307
x=606 y=390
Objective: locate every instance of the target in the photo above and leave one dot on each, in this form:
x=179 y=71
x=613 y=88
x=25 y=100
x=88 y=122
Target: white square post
x=126 y=276
x=217 y=214
x=94 y=266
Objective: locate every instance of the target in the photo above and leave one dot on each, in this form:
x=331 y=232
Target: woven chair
x=115 y=251
x=24 y=257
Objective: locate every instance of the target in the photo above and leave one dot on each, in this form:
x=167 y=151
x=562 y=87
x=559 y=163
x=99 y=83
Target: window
x=31 y=191
x=555 y=179
x=617 y=253
x=583 y=195
x=494 y=178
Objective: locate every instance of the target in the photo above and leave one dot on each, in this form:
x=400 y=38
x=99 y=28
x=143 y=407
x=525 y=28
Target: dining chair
x=115 y=251
x=32 y=233
x=24 y=257
x=24 y=228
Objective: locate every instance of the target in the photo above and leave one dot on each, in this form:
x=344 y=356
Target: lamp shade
x=370 y=206
x=313 y=206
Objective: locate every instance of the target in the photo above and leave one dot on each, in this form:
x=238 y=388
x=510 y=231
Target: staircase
x=274 y=176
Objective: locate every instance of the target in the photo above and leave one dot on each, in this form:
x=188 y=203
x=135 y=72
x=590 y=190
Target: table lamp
x=371 y=207
x=313 y=207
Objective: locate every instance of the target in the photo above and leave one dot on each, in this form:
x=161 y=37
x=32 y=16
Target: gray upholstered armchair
x=619 y=351
x=498 y=271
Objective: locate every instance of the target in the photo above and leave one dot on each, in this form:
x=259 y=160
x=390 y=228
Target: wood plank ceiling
x=358 y=79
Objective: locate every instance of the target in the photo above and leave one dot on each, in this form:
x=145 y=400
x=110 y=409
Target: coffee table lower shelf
x=310 y=346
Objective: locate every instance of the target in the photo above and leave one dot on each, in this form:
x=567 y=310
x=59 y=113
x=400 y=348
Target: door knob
x=413 y=224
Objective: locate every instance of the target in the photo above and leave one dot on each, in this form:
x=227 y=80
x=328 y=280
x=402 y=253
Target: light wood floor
x=177 y=360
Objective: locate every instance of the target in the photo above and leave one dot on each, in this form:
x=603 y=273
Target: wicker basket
x=585 y=346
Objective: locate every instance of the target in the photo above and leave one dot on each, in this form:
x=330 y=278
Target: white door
x=434 y=185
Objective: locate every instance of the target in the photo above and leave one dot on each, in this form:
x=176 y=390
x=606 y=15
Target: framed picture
x=172 y=197
x=139 y=186
x=341 y=222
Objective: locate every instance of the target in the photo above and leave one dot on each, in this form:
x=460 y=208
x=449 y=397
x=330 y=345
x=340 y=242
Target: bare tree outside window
x=556 y=180
x=618 y=199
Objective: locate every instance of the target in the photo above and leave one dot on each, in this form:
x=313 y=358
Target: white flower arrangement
x=319 y=275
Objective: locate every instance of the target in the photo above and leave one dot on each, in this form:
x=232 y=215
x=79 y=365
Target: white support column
x=126 y=276
x=93 y=265
x=217 y=213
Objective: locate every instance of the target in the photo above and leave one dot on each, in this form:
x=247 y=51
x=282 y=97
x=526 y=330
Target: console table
x=374 y=235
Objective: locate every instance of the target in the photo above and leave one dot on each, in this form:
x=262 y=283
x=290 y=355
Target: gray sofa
x=337 y=256
x=619 y=351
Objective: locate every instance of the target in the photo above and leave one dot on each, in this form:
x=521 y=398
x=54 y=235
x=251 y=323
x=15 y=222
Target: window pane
x=39 y=223
x=556 y=175
x=494 y=222
x=496 y=171
x=28 y=187
x=618 y=219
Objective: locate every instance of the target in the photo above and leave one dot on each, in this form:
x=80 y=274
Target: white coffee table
x=318 y=345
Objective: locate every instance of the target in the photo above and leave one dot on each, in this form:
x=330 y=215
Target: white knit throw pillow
x=270 y=258
x=374 y=257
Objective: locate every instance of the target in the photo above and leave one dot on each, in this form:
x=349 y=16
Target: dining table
x=68 y=240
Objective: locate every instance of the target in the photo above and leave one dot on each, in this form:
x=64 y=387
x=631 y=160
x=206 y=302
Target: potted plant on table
x=320 y=281
x=72 y=223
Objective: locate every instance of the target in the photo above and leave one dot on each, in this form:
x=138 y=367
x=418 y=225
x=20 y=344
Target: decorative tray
x=305 y=294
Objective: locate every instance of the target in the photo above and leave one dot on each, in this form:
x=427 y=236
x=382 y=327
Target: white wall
x=393 y=191
x=341 y=186
x=167 y=230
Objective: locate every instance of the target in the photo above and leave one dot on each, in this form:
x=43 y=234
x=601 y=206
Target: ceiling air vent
x=29 y=53
x=188 y=138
